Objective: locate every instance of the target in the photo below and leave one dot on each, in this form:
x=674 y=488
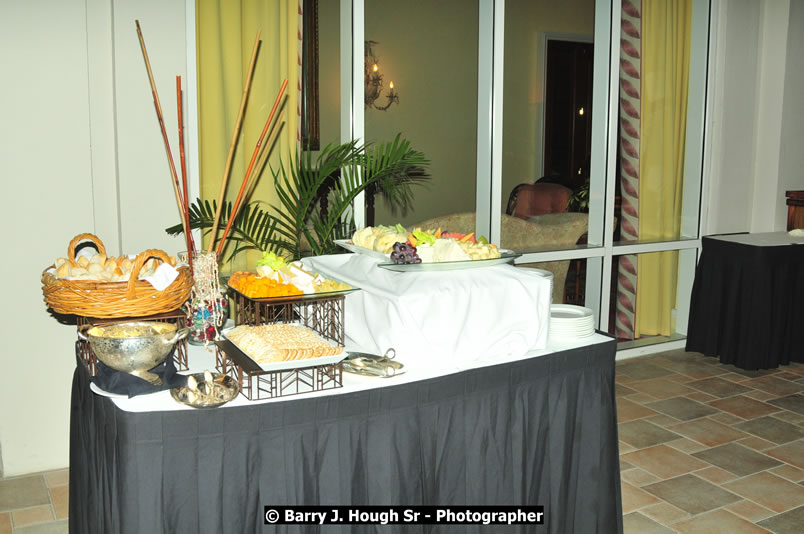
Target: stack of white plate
x=571 y=322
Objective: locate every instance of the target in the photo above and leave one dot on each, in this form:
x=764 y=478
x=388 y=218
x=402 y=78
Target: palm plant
x=298 y=225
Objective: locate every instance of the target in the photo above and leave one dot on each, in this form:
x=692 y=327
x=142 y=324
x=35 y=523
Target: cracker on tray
x=272 y=343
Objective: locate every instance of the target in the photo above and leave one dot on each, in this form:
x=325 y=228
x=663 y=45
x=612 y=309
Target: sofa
x=537 y=234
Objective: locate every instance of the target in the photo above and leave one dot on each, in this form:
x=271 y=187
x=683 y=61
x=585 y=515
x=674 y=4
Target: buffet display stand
x=539 y=429
x=747 y=304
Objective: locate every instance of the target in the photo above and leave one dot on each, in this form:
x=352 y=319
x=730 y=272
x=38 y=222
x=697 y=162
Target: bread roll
x=78 y=271
x=95 y=268
x=83 y=262
x=60 y=262
x=63 y=271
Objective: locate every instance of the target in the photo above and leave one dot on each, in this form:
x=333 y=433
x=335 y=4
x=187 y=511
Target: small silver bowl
x=222 y=389
x=134 y=347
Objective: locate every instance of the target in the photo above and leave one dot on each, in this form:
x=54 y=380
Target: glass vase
x=208 y=307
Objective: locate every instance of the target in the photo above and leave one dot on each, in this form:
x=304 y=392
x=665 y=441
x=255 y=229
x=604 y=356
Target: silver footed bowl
x=134 y=347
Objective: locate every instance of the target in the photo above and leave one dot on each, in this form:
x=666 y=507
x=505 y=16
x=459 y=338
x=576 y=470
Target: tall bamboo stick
x=266 y=152
x=235 y=134
x=158 y=106
x=236 y=206
x=188 y=236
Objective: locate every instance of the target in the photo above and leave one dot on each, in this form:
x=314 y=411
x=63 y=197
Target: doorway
x=568 y=111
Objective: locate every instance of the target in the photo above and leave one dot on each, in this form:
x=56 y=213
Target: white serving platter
x=292 y=364
x=506 y=256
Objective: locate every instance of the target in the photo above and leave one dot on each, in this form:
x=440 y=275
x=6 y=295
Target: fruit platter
x=277 y=279
x=425 y=250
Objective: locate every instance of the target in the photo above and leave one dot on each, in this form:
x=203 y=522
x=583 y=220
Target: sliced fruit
x=423 y=237
x=459 y=236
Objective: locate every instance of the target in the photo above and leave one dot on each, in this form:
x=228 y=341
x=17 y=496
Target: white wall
x=791 y=158
x=755 y=124
x=769 y=108
x=81 y=152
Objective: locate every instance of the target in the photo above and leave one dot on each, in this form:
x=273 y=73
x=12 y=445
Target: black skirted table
x=537 y=431
x=747 y=301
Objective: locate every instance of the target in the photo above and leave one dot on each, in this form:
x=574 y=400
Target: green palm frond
x=297 y=225
x=253 y=229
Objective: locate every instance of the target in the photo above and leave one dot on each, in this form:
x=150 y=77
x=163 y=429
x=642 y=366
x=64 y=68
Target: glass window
x=650 y=295
x=429 y=51
x=547 y=118
x=630 y=123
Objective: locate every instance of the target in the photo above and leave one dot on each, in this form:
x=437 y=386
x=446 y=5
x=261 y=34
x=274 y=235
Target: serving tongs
x=362 y=363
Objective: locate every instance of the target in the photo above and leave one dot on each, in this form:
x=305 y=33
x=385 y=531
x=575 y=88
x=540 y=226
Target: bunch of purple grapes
x=404 y=253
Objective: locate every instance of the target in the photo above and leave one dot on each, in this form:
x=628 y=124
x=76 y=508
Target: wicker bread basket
x=134 y=298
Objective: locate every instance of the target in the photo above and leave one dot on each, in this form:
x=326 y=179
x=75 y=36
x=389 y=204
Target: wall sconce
x=374 y=81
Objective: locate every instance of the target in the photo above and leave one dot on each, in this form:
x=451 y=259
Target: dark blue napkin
x=113 y=381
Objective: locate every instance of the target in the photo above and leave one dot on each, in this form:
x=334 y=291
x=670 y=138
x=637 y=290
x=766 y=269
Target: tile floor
x=34 y=504
x=709 y=448
x=705 y=448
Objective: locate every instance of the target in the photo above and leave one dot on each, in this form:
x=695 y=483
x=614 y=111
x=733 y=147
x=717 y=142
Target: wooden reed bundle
x=250 y=168
x=161 y=119
x=233 y=143
x=266 y=152
x=135 y=298
x=188 y=235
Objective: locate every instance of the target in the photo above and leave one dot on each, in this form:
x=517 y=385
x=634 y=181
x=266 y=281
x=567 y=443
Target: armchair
x=530 y=200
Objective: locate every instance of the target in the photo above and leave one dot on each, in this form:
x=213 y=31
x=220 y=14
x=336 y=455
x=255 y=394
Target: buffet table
x=747 y=301
x=540 y=429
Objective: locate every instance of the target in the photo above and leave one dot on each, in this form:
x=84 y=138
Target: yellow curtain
x=666 y=29
x=226 y=30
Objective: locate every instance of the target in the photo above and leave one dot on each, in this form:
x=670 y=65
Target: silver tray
x=506 y=256
x=229 y=391
x=351 y=247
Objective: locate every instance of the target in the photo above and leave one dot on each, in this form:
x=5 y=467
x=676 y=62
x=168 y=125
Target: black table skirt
x=540 y=431
x=747 y=304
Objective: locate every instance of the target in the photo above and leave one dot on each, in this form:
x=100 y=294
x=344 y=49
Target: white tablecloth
x=766 y=239
x=200 y=358
x=439 y=316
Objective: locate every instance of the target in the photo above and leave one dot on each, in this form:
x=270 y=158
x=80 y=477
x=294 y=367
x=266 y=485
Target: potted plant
x=579 y=201
x=298 y=225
